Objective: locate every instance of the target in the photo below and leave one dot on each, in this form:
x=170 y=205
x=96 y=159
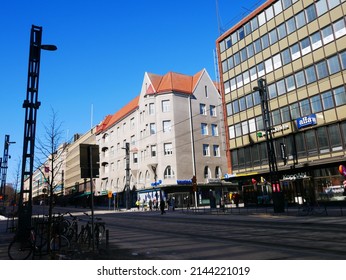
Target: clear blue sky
x=104 y=49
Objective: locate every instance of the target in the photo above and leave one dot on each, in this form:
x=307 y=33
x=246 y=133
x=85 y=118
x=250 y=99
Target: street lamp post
x=31 y=105
x=278 y=200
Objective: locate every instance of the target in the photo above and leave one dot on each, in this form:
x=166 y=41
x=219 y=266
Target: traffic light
x=194 y=183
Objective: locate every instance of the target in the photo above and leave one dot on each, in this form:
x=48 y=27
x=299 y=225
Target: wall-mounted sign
x=184 y=182
x=306 y=121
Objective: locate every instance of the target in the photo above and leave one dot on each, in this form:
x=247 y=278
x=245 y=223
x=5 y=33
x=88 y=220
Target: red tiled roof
x=158 y=84
x=173 y=82
x=123 y=112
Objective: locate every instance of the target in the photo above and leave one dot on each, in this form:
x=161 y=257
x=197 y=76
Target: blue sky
x=104 y=49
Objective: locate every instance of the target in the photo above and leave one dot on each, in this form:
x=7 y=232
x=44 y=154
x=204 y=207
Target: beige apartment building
x=299 y=49
x=174 y=128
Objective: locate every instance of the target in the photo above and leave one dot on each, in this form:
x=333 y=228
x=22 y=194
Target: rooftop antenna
x=218 y=17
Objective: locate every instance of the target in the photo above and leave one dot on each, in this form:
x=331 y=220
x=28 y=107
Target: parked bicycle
x=86 y=235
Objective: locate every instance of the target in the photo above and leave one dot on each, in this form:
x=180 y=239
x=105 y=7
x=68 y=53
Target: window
x=153 y=150
x=256 y=98
x=239 y=80
x=252 y=125
x=259 y=123
x=218 y=172
x=333 y=3
x=206 y=150
x=281 y=31
x=245 y=127
x=206 y=91
x=166 y=126
x=229 y=109
x=272 y=91
x=280 y=85
x=305 y=107
x=290 y=85
x=235 y=105
x=231 y=132
x=286 y=56
x=227 y=87
x=204 y=129
x=165 y=106
x=238 y=130
x=276 y=118
x=230 y=62
x=233 y=84
x=286 y=3
x=243 y=54
x=322 y=70
x=168 y=148
x=257 y=46
x=254 y=23
x=300 y=19
x=169 y=173
x=135 y=157
x=294 y=109
x=277 y=8
x=216 y=150
x=268 y=65
x=273 y=36
x=152 y=128
x=214 y=130
x=133 y=140
x=310 y=13
x=234 y=38
x=202 y=109
x=305 y=45
x=321 y=7
x=335 y=137
x=295 y=51
x=300 y=79
x=277 y=61
x=246 y=77
x=333 y=65
x=261 y=18
x=265 y=41
x=253 y=71
x=213 y=110
x=249 y=101
x=260 y=69
x=151 y=109
x=242 y=104
x=316 y=104
x=327 y=34
x=343 y=60
x=327 y=100
x=247 y=28
x=250 y=50
x=206 y=172
x=316 y=40
x=241 y=33
x=236 y=59
x=269 y=13
x=322 y=139
x=285 y=114
x=340 y=96
x=339 y=28
x=310 y=139
x=291 y=25
x=310 y=74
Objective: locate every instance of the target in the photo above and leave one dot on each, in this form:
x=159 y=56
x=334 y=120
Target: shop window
x=310 y=139
x=335 y=137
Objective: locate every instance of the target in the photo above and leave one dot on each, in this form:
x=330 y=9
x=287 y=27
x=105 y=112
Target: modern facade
x=175 y=131
x=299 y=49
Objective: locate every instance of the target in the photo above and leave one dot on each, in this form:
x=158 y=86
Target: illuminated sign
x=306 y=121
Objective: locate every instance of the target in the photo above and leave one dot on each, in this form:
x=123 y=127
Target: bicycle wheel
x=100 y=233
x=59 y=243
x=20 y=250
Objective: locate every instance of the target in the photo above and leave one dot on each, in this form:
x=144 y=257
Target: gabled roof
x=122 y=113
x=173 y=82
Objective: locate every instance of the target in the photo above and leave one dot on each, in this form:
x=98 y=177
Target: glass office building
x=299 y=49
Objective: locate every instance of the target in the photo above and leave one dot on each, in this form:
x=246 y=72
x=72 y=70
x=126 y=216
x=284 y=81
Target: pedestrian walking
x=162 y=206
x=137 y=204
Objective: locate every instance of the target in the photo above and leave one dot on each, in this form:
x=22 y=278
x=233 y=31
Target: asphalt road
x=187 y=236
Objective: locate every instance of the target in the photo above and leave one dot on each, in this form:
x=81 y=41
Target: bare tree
x=50 y=160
